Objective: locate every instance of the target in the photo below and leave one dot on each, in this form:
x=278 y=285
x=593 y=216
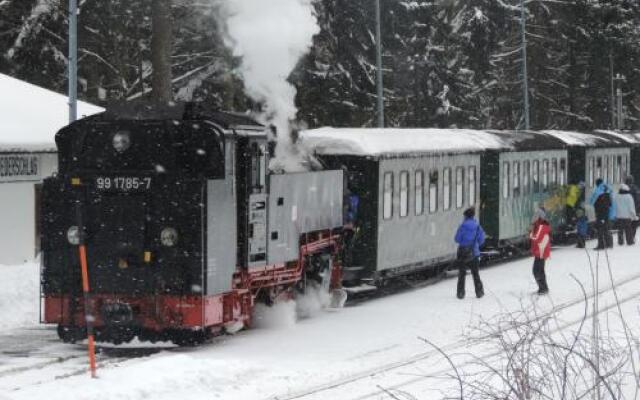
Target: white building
x=30 y=116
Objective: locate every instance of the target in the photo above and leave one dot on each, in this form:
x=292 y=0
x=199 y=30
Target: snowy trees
x=446 y=63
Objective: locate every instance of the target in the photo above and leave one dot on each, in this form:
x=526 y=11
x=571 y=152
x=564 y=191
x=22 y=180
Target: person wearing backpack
x=605 y=211
x=469 y=238
x=540 y=237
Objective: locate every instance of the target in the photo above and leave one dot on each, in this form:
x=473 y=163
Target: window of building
x=617 y=178
x=563 y=171
x=419 y=194
x=592 y=171
x=472 y=186
x=459 y=187
x=505 y=180
x=598 y=169
x=545 y=175
x=610 y=168
x=554 y=171
x=625 y=167
x=516 y=179
x=536 y=176
x=404 y=193
x=526 y=176
x=387 y=199
x=446 y=188
x=433 y=191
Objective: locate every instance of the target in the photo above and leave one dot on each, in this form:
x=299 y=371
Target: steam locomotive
x=185 y=229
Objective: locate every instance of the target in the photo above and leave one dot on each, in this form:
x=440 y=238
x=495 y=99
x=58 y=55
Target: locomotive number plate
x=123 y=183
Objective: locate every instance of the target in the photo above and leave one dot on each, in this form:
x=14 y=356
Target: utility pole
x=73 y=60
x=161 y=38
x=380 y=87
x=525 y=78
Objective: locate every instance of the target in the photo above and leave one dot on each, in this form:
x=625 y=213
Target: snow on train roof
x=378 y=142
x=597 y=138
x=389 y=141
x=30 y=116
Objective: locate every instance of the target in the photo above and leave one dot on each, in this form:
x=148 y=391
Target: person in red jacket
x=540 y=248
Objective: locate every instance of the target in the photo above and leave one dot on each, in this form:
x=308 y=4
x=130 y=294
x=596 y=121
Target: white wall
x=17 y=214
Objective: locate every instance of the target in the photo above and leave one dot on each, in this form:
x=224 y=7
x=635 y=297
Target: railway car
x=185 y=228
x=600 y=154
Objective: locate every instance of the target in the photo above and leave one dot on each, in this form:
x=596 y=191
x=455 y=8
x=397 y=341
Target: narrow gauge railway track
x=419 y=379
x=451 y=347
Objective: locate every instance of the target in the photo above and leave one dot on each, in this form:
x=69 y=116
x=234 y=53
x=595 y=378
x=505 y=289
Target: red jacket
x=541 y=239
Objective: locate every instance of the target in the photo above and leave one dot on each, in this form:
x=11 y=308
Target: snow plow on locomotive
x=183 y=227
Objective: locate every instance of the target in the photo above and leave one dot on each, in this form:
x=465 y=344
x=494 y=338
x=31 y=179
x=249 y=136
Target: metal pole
x=620 y=110
x=525 y=78
x=380 y=87
x=613 y=107
x=73 y=60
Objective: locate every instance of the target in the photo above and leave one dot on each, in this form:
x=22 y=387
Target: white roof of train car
x=379 y=142
x=30 y=115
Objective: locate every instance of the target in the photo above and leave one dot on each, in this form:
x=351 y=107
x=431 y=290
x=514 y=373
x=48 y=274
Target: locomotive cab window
x=387 y=196
x=459 y=187
x=258 y=167
x=404 y=193
x=419 y=193
x=433 y=191
x=505 y=180
x=472 y=186
x=446 y=188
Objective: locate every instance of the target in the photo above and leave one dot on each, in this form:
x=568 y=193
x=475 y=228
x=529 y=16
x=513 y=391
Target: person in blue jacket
x=605 y=210
x=469 y=238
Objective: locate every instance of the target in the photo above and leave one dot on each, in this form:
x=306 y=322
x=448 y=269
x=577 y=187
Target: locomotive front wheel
x=71 y=334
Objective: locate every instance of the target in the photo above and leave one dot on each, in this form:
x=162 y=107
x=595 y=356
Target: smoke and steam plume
x=271 y=36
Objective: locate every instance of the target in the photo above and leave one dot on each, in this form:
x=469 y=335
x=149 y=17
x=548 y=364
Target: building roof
x=30 y=116
x=392 y=142
x=598 y=138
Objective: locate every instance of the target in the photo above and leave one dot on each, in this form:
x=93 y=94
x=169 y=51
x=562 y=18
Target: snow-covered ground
x=354 y=353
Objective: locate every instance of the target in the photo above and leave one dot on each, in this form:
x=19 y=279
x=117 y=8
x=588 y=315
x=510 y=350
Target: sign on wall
x=19 y=167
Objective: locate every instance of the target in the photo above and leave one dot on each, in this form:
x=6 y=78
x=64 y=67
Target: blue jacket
x=469 y=234
x=600 y=189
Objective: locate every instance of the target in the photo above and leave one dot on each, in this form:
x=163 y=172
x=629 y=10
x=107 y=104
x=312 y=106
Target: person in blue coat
x=605 y=210
x=469 y=238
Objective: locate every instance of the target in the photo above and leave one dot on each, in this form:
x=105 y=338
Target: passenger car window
x=536 y=176
x=591 y=172
x=459 y=187
x=387 y=197
x=505 y=180
x=446 y=188
x=618 y=170
x=554 y=171
x=598 y=169
x=433 y=191
x=563 y=171
x=516 y=179
x=419 y=194
x=404 y=193
x=472 y=186
x=545 y=175
x=526 y=176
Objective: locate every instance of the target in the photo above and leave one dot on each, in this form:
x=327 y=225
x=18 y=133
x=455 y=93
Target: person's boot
x=460 y=295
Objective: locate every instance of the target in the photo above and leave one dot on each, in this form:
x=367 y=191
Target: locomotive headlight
x=169 y=237
x=121 y=141
x=73 y=235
